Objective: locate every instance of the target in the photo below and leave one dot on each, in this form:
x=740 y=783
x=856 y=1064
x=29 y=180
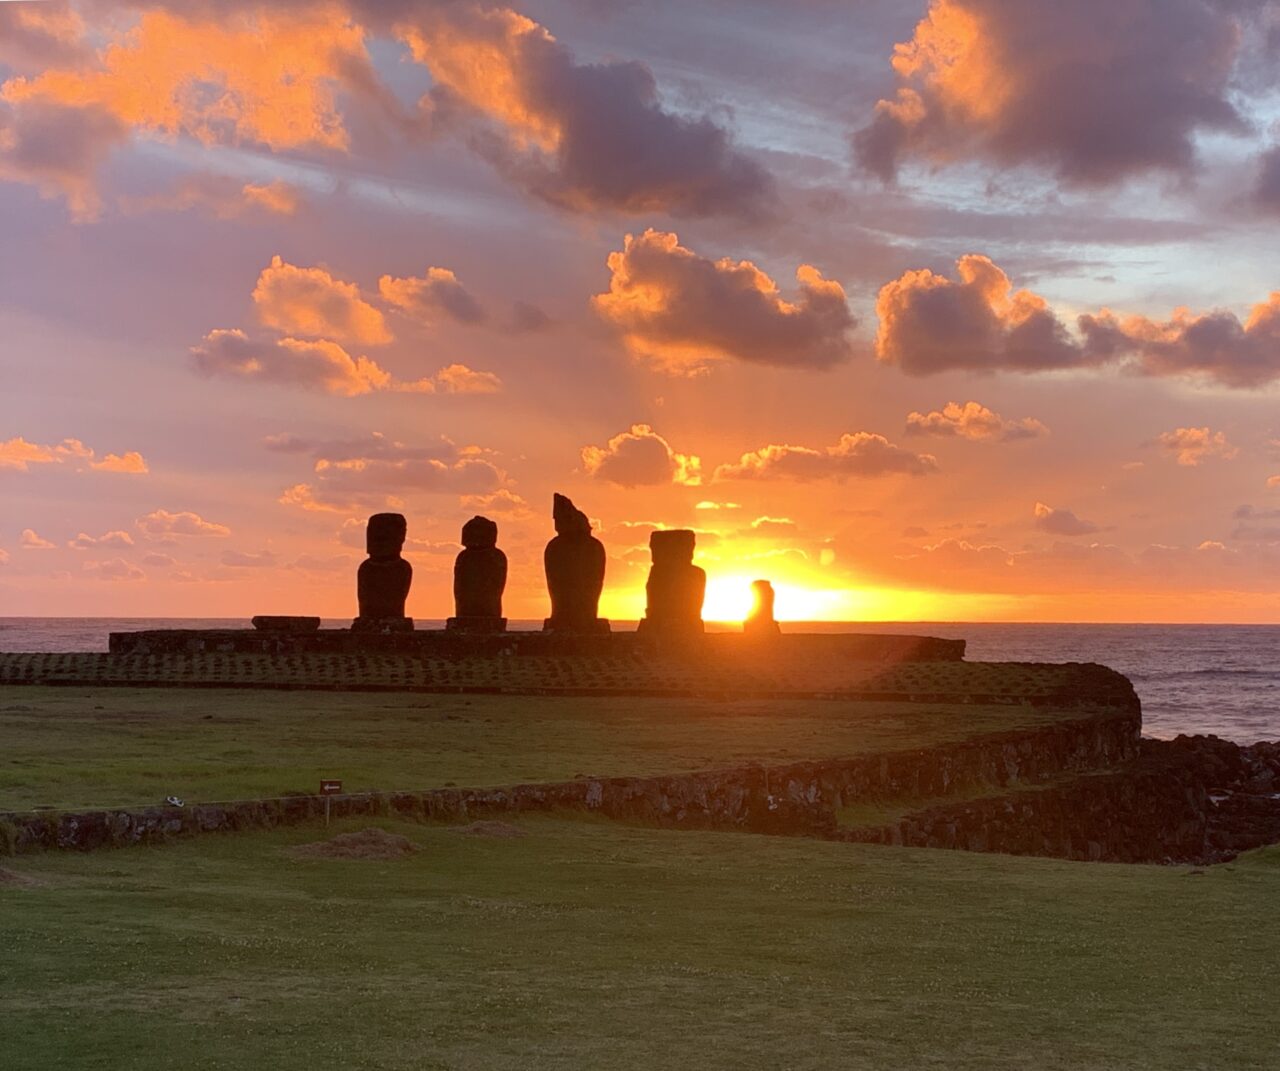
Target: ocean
x=1222 y=679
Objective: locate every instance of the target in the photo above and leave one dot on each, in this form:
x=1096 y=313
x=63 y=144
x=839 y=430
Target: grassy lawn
x=82 y=747
x=589 y=945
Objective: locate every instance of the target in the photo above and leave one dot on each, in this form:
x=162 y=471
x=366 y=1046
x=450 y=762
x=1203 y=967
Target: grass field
x=588 y=945
x=84 y=747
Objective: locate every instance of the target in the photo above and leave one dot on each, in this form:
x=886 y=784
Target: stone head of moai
x=760 y=621
x=385 y=534
x=384 y=578
x=479 y=533
x=676 y=587
x=575 y=562
x=569 y=521
x=479 y=579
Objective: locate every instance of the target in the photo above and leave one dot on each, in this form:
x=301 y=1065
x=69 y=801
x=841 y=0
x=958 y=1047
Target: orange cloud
x=132 y=463
x=1091 y=90
x=974 y=422
x=439 y=291
x=113 y=569
x=84 y=541
x=859 y=455
x=1191 y=446
x=161 y=522
x=641 y=457
x=585 y=136
x=683 y=311
x=316 y=365
x=21 y=455
x=459 y=379
x=310 y=301
x=262 y=75
x=221 y=196
x=30 y=540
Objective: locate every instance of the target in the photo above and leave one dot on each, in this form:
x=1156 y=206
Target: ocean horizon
x=1219 y=679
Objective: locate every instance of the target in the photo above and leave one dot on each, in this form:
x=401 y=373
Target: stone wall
x=796 y=798
x=1190 y=800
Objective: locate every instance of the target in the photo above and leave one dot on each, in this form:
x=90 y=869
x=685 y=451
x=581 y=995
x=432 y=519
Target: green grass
x=86 y=747
x=588 y=945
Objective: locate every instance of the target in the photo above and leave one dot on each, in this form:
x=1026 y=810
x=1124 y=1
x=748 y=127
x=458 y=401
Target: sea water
x=1222 y=679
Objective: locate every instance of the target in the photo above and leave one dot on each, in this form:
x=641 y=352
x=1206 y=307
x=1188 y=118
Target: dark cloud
x=583 y=136
x=682 y=310
x=1092 y=90
x=1267 y=191
x=58 y=149
x=640 y=457
x=930 y=324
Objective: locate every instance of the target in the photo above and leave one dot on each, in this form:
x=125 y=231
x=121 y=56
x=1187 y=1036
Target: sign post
x=329 y=786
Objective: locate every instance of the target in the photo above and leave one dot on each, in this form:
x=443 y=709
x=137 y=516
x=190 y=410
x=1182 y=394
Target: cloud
x=237 y=559
x=131 y=463
x=84 y=541
x=423 y=298
x=113 y=569
x=1266 y=192
x=452 y=379
x=683 y=311
x=4 y=556
x=310 y=301
x=1092 y=91
x=336 y=563
x=20 y=455
x=640 y=457
x=221 y=196
x=348 y=483
x=314 y=365
x=501 y=501
x=1273 y=481
x=163 y=523
x=29 y=540
x=1061 y=521
x=374 y=445
x=1191 y=446
x=859 y=455
x=1215 y=345
x=707 y=504
x=929 y=324
x=40 y=35
x=57 y=149
x=157 y=560
x=255 y=75
x=583 y=136
x=974 y=422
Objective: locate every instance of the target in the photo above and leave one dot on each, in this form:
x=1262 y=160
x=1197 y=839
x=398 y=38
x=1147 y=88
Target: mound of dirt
x=11 y=879
x=490 y=829
x=369 y=844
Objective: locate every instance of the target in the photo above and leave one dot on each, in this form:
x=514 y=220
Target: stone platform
x=455 y=644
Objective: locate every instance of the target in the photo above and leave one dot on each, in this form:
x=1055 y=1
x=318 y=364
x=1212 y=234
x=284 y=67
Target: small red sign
x=330 y=787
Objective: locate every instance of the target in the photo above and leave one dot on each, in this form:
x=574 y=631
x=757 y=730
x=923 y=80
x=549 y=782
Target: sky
x=920 y=309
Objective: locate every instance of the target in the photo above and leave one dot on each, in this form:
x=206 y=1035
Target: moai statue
x=479 y=577
x=675 y=587
x=574 y=561
x=760 y=621
x=382 y=584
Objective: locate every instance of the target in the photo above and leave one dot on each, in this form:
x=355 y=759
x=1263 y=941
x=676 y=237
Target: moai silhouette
x=574 y=561
x=675 y=588
x=382 y=583
x=479 y=578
